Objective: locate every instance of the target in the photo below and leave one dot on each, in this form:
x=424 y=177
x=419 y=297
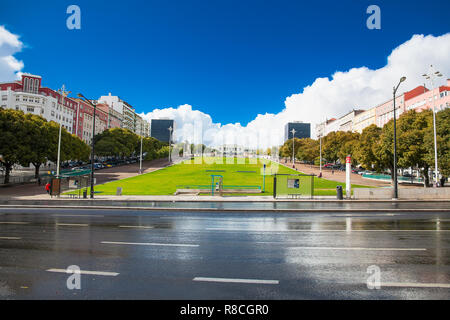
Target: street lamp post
x=92 y=142
x=140 y=164
x=63 y=94
x=432 y=76
x=320 y=160
x=293 y=137
x=170 y=141
x=395 y=142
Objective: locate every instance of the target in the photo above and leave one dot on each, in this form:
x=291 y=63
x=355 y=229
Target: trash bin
x=84 y=194
x=339 y=193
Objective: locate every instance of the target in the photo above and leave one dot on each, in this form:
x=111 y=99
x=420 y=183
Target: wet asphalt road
x=220 y=255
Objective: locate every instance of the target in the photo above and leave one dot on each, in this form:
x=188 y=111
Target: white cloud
x=10 y=44
x=358 y=87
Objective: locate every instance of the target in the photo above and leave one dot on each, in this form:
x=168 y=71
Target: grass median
x=236 y=172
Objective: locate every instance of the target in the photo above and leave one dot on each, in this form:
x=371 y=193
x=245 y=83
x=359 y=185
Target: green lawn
x=166 y=181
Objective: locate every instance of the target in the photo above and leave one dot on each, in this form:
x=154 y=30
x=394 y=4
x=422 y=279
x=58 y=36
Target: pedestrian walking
x=47 y=187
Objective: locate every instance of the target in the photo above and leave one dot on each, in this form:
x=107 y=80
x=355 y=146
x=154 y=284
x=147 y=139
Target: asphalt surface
x=135 y=254
x=222 y=204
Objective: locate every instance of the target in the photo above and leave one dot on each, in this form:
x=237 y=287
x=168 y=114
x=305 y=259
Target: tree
x=349 y=146
x=286 y=149
x=337 y=145
x=118 y=142
x=53 y=140
x=331 y=144
x=365 y=152
x=384 y=148
x=412 y=150
x=35 y=143
x=150 y=146
x=11 y=129
x=308 y=150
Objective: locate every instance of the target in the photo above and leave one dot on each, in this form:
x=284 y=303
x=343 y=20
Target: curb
x=220 y=210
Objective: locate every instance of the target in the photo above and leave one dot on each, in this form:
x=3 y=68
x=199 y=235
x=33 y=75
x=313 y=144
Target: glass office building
x=302 y=130
x=159 y=129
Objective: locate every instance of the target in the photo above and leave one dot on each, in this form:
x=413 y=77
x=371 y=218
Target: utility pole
x=320 y=144
x=140 y=165
x=92 y=142
x=170 y=141
x=293 y=137
x=432 y=76
x=395 y=143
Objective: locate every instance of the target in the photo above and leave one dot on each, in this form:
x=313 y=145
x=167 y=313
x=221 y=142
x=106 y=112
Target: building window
x=4 y=97
x=17 y=98
x=30 y=109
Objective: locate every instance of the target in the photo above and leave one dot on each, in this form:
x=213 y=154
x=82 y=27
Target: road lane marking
x=73 y=224
x=78 y=215
x=151 y=244
x=10 y=238
x=415 y=285
x=358 y=248
x=137 y=227
x=230 y=280
x=13 y=222
x=97 y=273
x=324 y=230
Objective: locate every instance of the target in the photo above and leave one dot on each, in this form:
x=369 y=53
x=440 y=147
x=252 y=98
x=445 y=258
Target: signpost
x=348 y=171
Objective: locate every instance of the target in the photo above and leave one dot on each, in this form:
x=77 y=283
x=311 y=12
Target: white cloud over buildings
x=326 y=97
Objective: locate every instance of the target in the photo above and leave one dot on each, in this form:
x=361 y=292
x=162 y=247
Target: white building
x=130 y=120
x=29 y=96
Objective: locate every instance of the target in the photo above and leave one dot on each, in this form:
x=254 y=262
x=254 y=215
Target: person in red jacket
x=47 y=187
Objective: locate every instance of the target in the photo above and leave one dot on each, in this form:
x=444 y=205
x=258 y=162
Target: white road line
x=415 y=285
x=98 y=273
x=137 y=227
x=10 y=238
x=323 y=230
x=358 y=248
x=229 y=280
x=73 y=224
x=13 y=222
x=151 y=244
x=77 y=215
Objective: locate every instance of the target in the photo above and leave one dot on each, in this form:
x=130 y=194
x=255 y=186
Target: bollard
x=339 y=194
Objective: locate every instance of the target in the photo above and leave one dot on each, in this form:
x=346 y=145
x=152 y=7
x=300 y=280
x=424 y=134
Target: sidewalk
x=34 y=191
x=173 y=198
x=338 y=176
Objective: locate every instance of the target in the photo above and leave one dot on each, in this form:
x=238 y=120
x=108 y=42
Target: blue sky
x=230 y=59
